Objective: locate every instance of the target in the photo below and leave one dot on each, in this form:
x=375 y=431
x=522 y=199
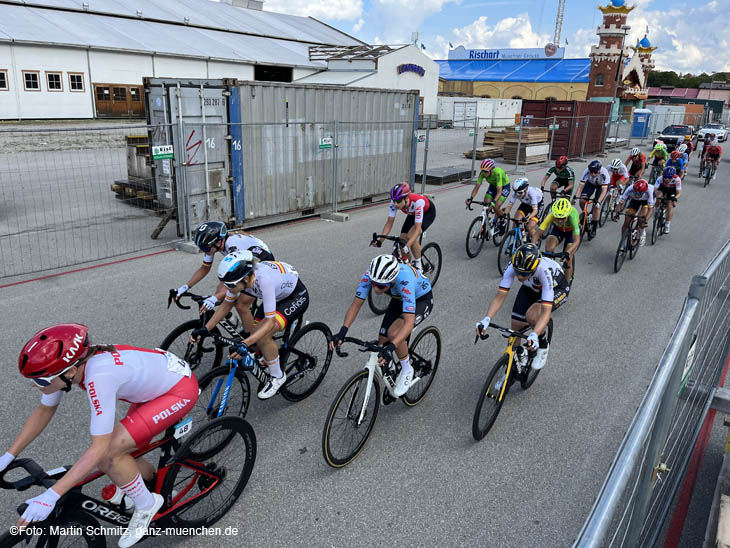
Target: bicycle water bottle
x=114 y=495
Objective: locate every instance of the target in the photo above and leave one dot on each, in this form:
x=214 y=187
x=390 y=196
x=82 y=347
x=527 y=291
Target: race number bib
x=178 y=365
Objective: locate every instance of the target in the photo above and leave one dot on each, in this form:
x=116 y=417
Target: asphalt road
x=421 y=480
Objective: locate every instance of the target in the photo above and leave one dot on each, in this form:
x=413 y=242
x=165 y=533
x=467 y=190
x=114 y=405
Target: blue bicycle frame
x=249 y=364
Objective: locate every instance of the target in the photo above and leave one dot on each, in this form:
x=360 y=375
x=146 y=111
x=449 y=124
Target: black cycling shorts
x=636 y=205
x=634 y=169
x=424 y=307
x=561 y=183
x=589 y=190
x=527 y=296
x=289 y=308
x=668 y=191
x=526 y=210
x=428 y=218
x=566 y=236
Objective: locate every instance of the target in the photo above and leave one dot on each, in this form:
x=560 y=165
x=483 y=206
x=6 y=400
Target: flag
x=451 y=46
x=423 y=47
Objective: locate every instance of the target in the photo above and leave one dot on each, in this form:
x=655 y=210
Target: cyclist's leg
x=428 y=219
x=568 y=239
x=526 y=297
x=554 y=190
x=553 y=240
x=499 y=202
x=287 y=310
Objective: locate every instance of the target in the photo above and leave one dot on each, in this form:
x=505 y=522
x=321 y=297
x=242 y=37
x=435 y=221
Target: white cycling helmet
x=384 y=269
x=520 y=185
x=682 y=149
x=235 y=266
x=635 y=151
x=615 y=163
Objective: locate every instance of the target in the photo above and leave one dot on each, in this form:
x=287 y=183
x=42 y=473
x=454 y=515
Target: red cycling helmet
x=399 y=191
x=641 y=186
x=675 y=154
x=562 y=161
x=53 y=349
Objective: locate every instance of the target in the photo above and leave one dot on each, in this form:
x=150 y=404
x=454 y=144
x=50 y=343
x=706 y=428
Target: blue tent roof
x=517 y=70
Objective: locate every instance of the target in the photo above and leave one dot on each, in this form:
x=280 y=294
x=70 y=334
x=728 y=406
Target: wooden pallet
x=530 y=153
x=532 y=160
x=530 y=135
x=494 y=137
x=484 y=152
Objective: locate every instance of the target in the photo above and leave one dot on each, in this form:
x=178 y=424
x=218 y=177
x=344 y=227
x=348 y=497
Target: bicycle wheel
x=474 y=238
x=178 y=341
x=657 y=226
x=344 y=435
x=708 y=176
x=425 y=354
x=431 y=262
x=76 y=522
x=500 y=230
x=212 y=387
x=209 y=472
x=618 y=261
x=306 y=361
x=533 y=373
x=635 y=237
x=489 y=403
x=506 y=250
x=605 y=208
x=378 y=303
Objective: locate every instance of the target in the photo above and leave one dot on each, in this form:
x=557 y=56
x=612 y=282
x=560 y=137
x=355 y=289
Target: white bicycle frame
x=373 y=368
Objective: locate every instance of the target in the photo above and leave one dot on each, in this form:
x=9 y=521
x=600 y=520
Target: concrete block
x=335 y=216
x=187 y=247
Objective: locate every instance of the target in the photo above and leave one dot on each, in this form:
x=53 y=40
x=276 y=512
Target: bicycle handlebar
x=172 y=299
x=376 y=238
x=366 y=346
x=564 y=255
x=37 y=476
x=504 y=330
x=468 y=206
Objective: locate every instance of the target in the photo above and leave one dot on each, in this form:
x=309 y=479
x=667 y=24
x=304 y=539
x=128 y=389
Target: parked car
x=673 y=135
x=718 y=129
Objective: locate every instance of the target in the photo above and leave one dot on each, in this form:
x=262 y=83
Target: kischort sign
x=507 y=53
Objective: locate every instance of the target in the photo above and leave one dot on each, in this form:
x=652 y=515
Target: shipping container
x=581 y=125
x=665 y=115
x=460 y=111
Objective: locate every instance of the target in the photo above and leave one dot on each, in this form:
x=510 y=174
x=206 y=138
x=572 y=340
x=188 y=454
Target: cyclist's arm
x=34 y=425
x=504 y=286
x=571 y=184
x=574 y=220
x=544 y=180
x=223 y=309
x=352 y=312
x=201 y=273
x=418 y=222
x=549 y=218
x=388 y=224
x=547 y=296
x=579 y=189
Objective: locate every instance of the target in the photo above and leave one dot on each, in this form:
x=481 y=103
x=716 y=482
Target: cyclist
x=159 y=385
x=564 y=177
x=544 y=289
x=641 y=199
x=212 y=237
x=565 y=221
x=594 y=181
x=285 y=299
x=411 y=302
x=688 y=146
x=498 y=189
x=677 y=162
x=714 y=153
x=659 y=155
x=710 y=140
x=636 y=162
x=619 y=174
x=531 y=203
x=669 y=185
x=420 y=214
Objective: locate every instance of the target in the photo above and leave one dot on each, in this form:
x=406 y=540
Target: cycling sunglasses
x=231 y=285
x=45 y=381
x=382 y=286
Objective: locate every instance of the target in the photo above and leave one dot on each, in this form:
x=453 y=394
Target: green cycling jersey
x=498 y=178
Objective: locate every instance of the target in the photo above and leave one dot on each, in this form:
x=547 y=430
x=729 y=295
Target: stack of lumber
x=484 y=152
x=533 y=145
x=494 y=138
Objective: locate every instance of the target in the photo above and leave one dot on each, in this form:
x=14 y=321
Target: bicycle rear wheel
x=489 y=404
x=212 y=387
x=178 y=342
x=501 y=228
x=506 y=249
x=474 y=238
x=431 y=262
x=306 y=360
x=209 y=472
x=378 y=303
x=425 y=354
x=344 y=435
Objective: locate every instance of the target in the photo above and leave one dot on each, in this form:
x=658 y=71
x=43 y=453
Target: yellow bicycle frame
x=511 y=353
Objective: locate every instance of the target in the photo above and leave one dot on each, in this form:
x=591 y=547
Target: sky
x=690 y=36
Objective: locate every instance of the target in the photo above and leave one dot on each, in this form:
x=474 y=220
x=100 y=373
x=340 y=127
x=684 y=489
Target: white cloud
x=343 y=10
x=358 y=26
x=399 y=18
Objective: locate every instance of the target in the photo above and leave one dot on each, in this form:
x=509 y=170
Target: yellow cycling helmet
x=561 y=208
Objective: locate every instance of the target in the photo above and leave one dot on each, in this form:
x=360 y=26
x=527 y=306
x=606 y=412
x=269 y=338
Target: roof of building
x=517 y=70
x=191 y=28
x=337 y=77
x=687 y=93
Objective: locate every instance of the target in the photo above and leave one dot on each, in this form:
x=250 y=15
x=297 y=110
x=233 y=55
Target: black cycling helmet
x=209 y=233
x=594 y=166
x=526 y=259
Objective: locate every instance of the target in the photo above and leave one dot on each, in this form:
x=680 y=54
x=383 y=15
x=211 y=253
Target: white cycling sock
x=417 y=262
x=405 y=365
x=274 y=367
x=138 y=492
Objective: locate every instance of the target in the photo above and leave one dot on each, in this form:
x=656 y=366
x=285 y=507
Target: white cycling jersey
x=273 y=282
x=532 y=198
x=544 y=279
x=135 y=375
x=600 y=178
x=417 y=207
x=675 y=181
x=238 y=242
x=631 y=194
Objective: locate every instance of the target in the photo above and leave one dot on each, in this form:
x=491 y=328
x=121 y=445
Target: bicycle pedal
x=387 y=398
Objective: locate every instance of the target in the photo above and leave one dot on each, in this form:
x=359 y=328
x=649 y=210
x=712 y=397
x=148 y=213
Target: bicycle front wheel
x=474 y=238
x=431 y=262
x=506 y=249
x=489 y=403
x=605 y=208
x=425 y=354
x=657 y=226
x=378 y=303
x=209 y=472
x=204 y=354
x=306 y=361
x=350 y=420
x=212 y=387
x=623 y=244
x=79 y=522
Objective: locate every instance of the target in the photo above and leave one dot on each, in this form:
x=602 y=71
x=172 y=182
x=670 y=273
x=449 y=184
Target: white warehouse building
x=87 y=59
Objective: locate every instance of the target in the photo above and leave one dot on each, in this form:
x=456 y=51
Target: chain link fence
x=650 y=464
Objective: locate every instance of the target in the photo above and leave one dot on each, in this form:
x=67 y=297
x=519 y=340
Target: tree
x=658 y=78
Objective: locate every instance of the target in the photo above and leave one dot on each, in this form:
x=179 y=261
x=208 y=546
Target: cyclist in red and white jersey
x=636 y=163
x=285 y=298
x=619 y=174
x=420 y=214
x=158 y=384
x=713 y=155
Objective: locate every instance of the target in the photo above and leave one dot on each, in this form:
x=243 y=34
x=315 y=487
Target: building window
x=102 y=94
x=31 y=80
x=599 y=80
x=76 y=81
x=120 y=94
x=4 y=85
x=551 y=99
x=54 y=81
x=516 y=97
x=135 y=95
x=268 y=73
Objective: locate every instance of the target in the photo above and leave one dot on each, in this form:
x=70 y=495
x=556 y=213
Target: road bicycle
x=656 y=171
x=353 y=412
x=515 y=364
x=200 y=474
x=516 y=236
x=484 y=228
x=548 y=209
x=709 y=173
x=613 y=196
x=629 y=243
x=660 y=218
x=586 y=220
x=430 y=264
x=304 y=355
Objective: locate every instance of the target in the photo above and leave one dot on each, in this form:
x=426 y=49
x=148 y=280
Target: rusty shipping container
x=577 y=121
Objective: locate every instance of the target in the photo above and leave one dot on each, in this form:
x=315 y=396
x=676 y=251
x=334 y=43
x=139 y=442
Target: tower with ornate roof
x=606 y=56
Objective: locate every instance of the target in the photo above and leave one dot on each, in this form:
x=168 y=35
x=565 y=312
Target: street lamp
x=625 y=29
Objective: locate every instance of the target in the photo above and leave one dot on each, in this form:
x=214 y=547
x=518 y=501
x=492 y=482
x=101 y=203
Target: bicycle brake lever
x=170 y=297
x=340 y=352
x=22 y=508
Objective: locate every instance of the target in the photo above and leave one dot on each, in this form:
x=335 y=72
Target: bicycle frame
x=509 y=351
